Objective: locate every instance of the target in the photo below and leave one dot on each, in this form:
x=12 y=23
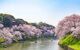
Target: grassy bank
x=75 y=47
x=70 y=42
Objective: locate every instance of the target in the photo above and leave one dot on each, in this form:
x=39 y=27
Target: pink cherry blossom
x=69 y=23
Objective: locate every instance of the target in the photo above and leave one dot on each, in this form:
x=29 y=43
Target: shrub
x=2 y=39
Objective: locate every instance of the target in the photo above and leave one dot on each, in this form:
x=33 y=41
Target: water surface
x=32 y=45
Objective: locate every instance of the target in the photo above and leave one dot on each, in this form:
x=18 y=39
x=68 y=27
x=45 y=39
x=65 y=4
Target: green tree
x=7 y=19
x=20 y=21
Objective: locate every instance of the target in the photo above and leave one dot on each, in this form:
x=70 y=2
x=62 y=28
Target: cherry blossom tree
x=12 y=29
x=68 y=24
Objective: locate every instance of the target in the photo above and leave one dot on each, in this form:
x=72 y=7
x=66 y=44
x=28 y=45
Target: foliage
x=20 y=21
x=2 y=39
x=7 y=19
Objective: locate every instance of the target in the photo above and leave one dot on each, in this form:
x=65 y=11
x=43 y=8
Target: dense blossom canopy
x=68 y=25
x=12 y=29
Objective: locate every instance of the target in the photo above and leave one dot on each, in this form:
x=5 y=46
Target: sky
x=48 y=11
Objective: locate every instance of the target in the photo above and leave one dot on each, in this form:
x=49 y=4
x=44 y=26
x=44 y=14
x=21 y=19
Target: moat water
x=47 y=44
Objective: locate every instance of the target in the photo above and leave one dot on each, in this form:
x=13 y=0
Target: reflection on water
x=40 y=45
